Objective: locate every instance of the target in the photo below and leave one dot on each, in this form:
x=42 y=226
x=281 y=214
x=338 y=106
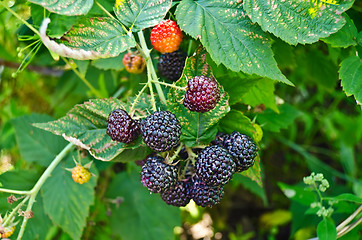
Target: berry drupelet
x=121 y=127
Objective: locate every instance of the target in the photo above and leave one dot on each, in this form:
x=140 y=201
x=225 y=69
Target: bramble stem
x=14 y=191
x=34 y=192
x=150 y=67
x=170 y=85
x=175 y=153
x=137 y=98
x=149 y=84
x=85 y=81
x=14 y=211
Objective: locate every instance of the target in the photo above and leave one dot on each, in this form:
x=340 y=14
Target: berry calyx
x=214 y=166
x=166 y=37
x=121 y=127
x=202 y=94
x=157 y=176
x=161 y=131
x=242 y=148
x=80 y=174
x=171 y=65
x=134 y=63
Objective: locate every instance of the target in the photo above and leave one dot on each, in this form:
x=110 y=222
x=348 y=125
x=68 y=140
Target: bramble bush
x=221 y=109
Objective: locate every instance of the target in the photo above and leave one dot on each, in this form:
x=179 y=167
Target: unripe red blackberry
x=166 y=36
x=171 y=65
x=214 y=166
x=179 y=196
x=161 y=131
x=205 y=195
x=243 y=150
x=121 y=127
x=202 y=94
x=157 y=176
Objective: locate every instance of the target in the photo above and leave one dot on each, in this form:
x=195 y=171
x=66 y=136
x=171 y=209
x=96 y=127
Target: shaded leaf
x=85 y=125
x=141 y=14
x=348 y=197
x=37 y=145
x=326 y=229
x=351 y=75
x=254 y=173
x=90 y=38
x=196 y=126
x=113 y=63
x=67 y=202
x=141 y=215
x=236 y=121
x=229 y=36
x=293 y=21
x=66 y=7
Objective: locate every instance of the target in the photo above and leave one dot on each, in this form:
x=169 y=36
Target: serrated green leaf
x=236 y=121
x=114 y=63
x=67 y=202
x=90 y=38
x=141 y=14
x=326 y=229
x=261 y=93
x=351 y=75
x=229 y=36
x=85 y=125
x=132 y=155
x=141 y=215
x=273 y=121
x=37 y=145
x=254 y=173
x=196 y=126
x=294 y=21
x=66 y=7
x=345 y=37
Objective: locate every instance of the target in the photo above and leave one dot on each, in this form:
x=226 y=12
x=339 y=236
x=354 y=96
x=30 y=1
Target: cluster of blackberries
x=213 y=168
x=160 y=131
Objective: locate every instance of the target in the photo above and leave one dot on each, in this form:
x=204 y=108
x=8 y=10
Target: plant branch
x=349 y=228
x=137 y=98
x=171 y=85
x=349 y=219
x=14 y=191
x=14 y=211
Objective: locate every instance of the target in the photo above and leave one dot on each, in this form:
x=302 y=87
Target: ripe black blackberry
x=171 y=65
x=161 y=131
x=205 y=195
x=202 y=94
x=179 y=196
x=214 y=166
x=121 y=127
x=157 y=176
x=242 y=148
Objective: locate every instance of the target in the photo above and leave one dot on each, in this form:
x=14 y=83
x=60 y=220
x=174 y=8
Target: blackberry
x=157 y=176
x=161 y=131
x=243 y=150
x=214 y=166
x=219 y=139
x=179 y=196
x=171 y=65
x=202 y=94
x=121 y=127
x=205 y=195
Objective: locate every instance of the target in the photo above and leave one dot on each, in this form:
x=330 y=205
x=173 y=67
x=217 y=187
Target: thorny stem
x=174 y=156
x=34 y=192
x=170 y=85
x=149 y=84
x=20 y=18
x=191 y=154
x=150 y=67
x=85 y=81
x=4 y=190
x=14 y=211
x=137 y=98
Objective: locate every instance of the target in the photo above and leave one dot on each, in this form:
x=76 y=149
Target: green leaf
x=294 y=21
x=351 y=75
x=250 y=185
x=229 y=36
x=345 y=37
x=298 y=193
x=141 y=14
x=261 y=93
x=326 y=229
x=140 y=215
x=132 y=155
x=36 y=145
x=86 y=124
x=67 y=202
x=236 y=121
x=348 y=197
x=19 y=180
x=113 y=63
x=254 y=173
x=196 y=126
x=90 y=38
x=66 y=7
x=273 y=121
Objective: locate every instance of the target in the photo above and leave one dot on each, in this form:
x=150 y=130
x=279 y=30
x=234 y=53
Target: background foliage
x=255 y=54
